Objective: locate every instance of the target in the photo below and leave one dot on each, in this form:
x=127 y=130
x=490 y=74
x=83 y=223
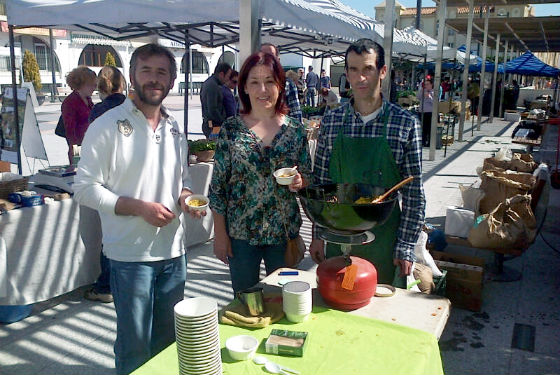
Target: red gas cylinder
x=330 y=274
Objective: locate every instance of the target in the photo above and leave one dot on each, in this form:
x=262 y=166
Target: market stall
x=52 y=249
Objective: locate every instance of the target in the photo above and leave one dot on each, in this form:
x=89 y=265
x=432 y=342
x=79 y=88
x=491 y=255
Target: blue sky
x=366 y=6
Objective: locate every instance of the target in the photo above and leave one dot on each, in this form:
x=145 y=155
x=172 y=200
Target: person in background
x=426 y=98
x=445 y=89
x=140 y=199
x=292 y=96
x=374 y=142
x=329 y=98
x=344 y=88
x=230 y=103
x=253 y=215
x=212 y=100
x=311 y=82
x=300 y=83
x=77 y=106
x=290 y=89
x=473 y=93
x=515 y=92
x=110 y=85
x=325 y=80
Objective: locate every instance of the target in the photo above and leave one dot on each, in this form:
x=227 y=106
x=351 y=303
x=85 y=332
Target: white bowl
x=195 y=307
x=242 y=347
x=197 y=197
x=284 y=180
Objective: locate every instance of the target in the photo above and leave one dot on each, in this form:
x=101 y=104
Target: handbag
x=295 y=251
x=295 y=248
x=60 y=129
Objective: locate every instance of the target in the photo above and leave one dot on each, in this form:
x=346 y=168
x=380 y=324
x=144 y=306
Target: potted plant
x=31 y=74
x=203 y=149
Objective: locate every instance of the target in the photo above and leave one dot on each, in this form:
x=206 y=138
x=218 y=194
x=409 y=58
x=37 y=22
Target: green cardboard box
x=284 y=342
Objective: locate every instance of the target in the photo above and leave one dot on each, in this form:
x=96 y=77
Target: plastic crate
x=441 y=283
x=26 y=201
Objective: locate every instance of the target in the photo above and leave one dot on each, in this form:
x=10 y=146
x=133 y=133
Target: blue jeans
x=310 y=98
x=245 y=265
x=102 y=285
x=145 y=294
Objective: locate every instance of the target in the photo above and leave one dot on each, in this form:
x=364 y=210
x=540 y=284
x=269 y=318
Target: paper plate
x=384 y=290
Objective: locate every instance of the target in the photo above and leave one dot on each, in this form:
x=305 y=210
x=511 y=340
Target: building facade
x=405 y=17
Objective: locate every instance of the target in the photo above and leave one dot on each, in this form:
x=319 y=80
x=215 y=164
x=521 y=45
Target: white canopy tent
x=324 y=25
x=431 y=45
x=316 y=28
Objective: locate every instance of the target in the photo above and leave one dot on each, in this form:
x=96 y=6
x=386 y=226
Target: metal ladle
x=392 y=190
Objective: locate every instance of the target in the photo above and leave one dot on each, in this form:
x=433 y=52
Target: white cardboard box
x=511 y=116
x=458 y=221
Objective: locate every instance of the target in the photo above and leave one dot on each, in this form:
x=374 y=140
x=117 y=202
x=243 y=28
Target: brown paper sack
x=522 y=163
x=491 y=164
x=499 y=186
x=511 y=225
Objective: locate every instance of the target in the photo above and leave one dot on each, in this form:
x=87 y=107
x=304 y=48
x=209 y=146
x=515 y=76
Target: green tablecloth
x=339 y=343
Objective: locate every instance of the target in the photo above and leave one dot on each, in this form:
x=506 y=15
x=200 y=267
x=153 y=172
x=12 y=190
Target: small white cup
x=280 y=174
x=198 y=197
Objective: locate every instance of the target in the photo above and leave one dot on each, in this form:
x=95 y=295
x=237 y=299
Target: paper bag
x=511 y=225
x=499 y=186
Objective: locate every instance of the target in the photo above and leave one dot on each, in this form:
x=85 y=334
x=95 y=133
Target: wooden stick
x=392 y=190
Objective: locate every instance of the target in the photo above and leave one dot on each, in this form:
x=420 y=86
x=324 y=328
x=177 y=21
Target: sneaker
x=92 y=295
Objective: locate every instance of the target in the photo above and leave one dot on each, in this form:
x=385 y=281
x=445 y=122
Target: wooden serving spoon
x=382 y=197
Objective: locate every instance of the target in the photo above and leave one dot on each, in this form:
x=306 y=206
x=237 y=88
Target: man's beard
x=139 y=90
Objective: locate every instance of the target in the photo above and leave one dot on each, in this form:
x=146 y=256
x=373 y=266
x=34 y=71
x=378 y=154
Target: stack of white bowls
x=197 y=335
x=297 y=301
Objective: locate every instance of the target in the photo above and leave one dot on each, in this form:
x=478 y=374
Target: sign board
x=30 y=135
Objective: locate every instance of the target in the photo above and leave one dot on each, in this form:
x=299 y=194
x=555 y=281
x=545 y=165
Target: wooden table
x=428 y=313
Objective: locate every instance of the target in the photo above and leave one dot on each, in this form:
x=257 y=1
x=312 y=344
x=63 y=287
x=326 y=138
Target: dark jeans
x=103 y=285
x=206 y=129
x=245 y=265
x=426 y=125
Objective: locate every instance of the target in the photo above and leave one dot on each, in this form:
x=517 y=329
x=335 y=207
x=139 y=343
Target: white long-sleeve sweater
x=123 y=156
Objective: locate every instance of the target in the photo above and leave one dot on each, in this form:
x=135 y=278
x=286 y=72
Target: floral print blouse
x=243 y=189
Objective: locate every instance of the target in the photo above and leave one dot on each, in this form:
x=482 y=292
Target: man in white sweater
x=134 y=172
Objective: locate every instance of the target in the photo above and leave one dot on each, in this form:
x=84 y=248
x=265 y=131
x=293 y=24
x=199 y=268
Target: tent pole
x=442 y=10
x=249 y=31
x=495 y=79
x=510 y=77
x=555 y=95
x=503 y=81
x=388 y=45
x=482 y=84
x=53 y=86
x=190 y=70
x=186 y=57
x=14 y=92
x=466 y=71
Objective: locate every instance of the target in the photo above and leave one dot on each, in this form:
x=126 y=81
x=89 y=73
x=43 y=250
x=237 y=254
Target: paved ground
x=69 y=335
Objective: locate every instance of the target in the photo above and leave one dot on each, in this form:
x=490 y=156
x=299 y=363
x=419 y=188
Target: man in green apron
x=369 y=140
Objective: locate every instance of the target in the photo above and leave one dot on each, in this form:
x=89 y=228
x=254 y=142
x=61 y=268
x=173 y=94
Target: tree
x=110 y=60
x=31 y=70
